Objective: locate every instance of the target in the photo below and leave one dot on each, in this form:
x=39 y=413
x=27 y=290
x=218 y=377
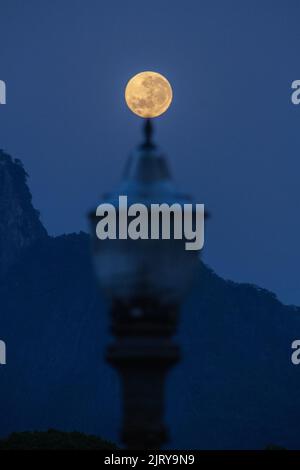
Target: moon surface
x=148 y=94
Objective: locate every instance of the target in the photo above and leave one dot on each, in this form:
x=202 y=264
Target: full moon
x=148 y=94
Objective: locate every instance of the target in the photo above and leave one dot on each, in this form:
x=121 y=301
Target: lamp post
x=145 y=281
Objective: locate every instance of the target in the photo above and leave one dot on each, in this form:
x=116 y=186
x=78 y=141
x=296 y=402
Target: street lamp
x=145 y=281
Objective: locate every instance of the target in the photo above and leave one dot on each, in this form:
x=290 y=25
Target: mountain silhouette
x=235 y=387
x=19 y=221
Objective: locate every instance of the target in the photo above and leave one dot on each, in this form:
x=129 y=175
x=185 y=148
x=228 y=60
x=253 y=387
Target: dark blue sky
x=232 y=133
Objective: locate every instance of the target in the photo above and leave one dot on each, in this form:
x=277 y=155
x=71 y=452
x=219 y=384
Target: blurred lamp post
x=145 y=281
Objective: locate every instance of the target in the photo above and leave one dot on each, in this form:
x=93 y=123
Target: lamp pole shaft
x=143 y=362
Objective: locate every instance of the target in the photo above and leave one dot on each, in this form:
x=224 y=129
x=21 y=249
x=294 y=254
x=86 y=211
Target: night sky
x=231 y=134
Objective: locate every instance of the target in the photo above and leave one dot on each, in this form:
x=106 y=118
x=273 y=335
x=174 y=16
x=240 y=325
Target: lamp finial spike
x=148 y=133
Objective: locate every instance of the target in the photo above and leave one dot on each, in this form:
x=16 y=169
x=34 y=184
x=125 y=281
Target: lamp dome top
x=147 y=177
